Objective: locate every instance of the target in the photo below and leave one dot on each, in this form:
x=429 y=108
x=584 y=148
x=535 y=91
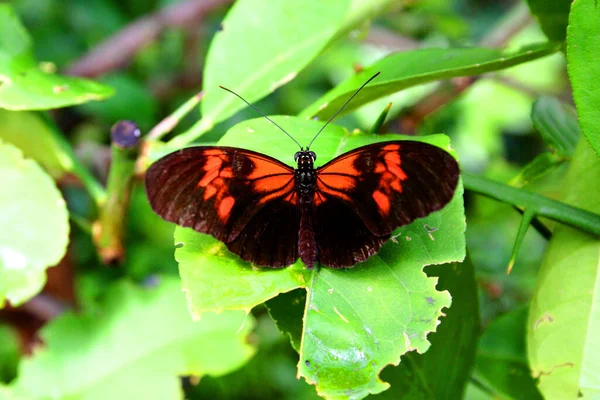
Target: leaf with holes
x=356 y=321
x=24 y=85
x=35 y=226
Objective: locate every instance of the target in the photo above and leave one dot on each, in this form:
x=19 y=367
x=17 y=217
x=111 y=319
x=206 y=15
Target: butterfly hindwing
x=343 y=239
x=233 y=194
x=386 y=185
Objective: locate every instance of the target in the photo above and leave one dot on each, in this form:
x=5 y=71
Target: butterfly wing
x=238 y=196
x=374 y=189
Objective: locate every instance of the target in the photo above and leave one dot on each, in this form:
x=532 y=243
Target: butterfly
x=270 y=214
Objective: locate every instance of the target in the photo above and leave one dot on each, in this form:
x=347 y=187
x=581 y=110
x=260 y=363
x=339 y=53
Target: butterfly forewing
x=384 y=185
x=236 y=195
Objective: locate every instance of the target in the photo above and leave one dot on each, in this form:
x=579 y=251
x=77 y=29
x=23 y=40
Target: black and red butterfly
x=270 y=214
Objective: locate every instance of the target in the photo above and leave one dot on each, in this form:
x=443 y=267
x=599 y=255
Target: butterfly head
x=305 y=159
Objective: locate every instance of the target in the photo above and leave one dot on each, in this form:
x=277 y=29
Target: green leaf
x=140 y=343
x=453 y=343
x=129 y=91
x=502 y=359
x=10 y=353
x=409 y=68
x=552 y=16
x=35 y=226
x=564 y=317
x=583 y=47
x=36 y=140
x=344 y=343
x=24 y=85
x=557 y=123
x=254 y=57
x=538 y=167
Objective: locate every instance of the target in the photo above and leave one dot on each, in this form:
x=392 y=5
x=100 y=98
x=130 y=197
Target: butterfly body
x=268 y=213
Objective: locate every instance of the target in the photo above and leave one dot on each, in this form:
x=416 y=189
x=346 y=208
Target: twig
x=118 y=49
x=44 y=307
x=534 y=203
x=516 y=19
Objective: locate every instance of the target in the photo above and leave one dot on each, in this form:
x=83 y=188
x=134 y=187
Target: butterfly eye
x=296 y=156
x=313 y=155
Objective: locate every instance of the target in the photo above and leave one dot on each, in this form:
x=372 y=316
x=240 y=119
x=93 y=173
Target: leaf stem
x=532 y=202
x=108 y=230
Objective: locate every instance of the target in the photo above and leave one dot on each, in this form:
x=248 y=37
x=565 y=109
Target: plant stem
x=534 y=203
x=108 y=230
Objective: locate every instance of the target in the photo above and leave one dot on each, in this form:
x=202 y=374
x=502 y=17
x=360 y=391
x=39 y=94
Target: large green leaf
x=261 y=46
x=24 y=85
x=141 y=342
x=344 y=343
x=453 y=344
x=502 y=357
x=405 y=69
x=564 y=318
x=553 y=17
x=34 y=226
x=583 y=47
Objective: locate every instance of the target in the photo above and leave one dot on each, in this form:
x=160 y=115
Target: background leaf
x=26 y=86
x=409 y=68
x=564 y=318
x=35 y=226
x=553 y=17
x=583 y=47
x=10 y=353
x=557 y=123
x=254 y=57
x=502 y=357
x=340 y=332
x=142 y=340
x=32 y=135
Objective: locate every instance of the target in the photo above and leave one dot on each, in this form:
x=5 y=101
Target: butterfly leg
x=307 y=245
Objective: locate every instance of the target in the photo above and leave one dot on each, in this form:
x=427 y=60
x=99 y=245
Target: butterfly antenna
x=261 y=113
x=342 y=107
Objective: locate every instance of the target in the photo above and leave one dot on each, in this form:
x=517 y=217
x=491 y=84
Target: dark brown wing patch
x=385 y=186
x=220 y=191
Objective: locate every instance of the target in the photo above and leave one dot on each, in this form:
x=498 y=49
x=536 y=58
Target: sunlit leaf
x=583 y=47
x=34 y=226
x=409 y=68
x=255 y=51
x=564 y=317
x=344 y=343
x=140 y=343
x=25 y=85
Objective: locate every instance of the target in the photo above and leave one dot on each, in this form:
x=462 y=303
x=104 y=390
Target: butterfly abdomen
x=307 y=245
